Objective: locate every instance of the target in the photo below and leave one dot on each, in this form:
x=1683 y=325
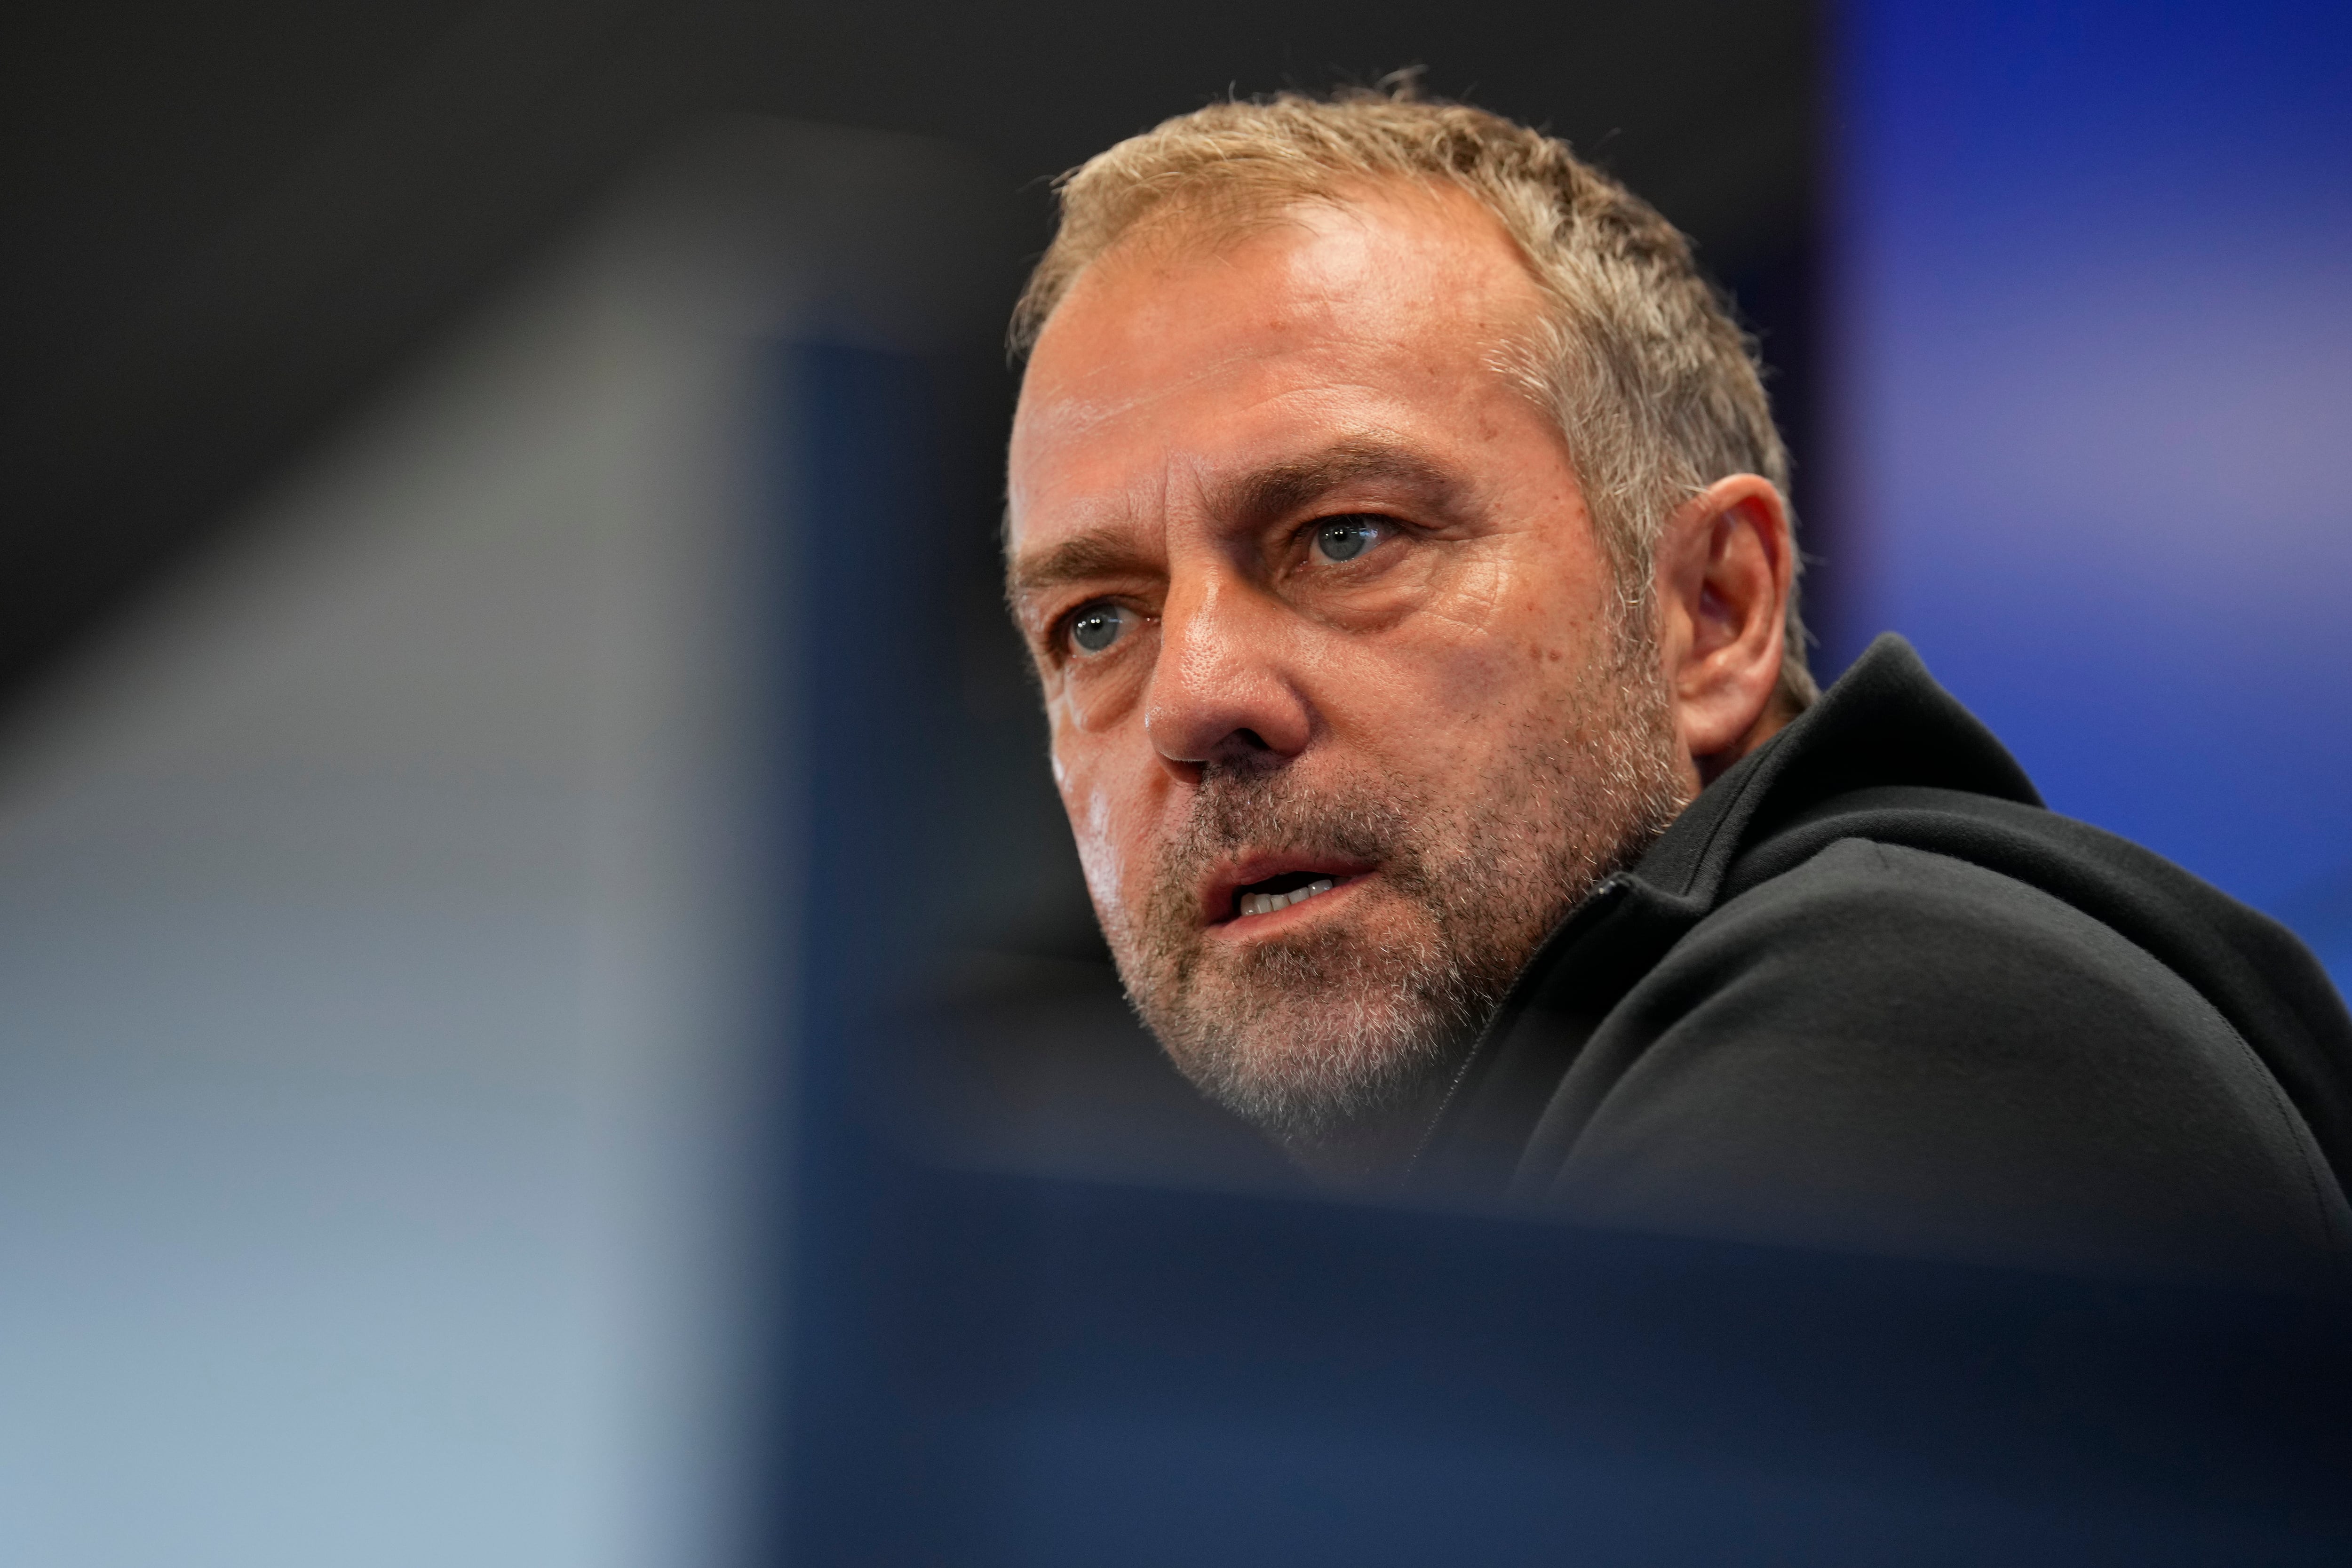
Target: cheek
x=1103 y=824
x=1492 y=647
x=1471 y=679
x=1093 y=698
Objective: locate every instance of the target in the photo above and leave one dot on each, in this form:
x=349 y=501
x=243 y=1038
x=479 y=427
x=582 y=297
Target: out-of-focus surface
x=398 y=988
x=227 y=225
x=2093 y=311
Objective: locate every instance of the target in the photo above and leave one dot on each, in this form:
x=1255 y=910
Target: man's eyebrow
x=1285 y=486
x=1098 y=552
x=1269 y=492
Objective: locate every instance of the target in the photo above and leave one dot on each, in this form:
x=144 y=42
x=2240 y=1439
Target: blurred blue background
x=2090 y=298
x=550 y=1015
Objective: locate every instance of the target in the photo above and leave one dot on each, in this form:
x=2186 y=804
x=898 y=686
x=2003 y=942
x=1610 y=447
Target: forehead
x=1178 y=356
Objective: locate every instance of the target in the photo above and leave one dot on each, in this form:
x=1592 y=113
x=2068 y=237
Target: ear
x=1725 y=565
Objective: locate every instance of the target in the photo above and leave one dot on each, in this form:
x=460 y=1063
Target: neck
x=1769 y=724
x=1369 y=1154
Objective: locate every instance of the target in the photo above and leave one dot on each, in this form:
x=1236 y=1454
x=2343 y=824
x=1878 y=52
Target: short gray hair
x=1658 y=390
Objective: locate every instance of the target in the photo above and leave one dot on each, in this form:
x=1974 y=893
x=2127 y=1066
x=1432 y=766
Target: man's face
x=1339 y=706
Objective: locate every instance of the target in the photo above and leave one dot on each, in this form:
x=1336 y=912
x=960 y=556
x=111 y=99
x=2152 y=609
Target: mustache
x=1234 y=810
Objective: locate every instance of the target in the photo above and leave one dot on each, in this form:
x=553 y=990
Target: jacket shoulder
x=2252 y=971
x=1895 y=1050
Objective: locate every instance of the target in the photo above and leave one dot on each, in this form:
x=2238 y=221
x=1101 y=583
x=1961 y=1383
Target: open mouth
x=1280 y=892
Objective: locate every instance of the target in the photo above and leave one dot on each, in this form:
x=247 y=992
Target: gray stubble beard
x=1315 y=1033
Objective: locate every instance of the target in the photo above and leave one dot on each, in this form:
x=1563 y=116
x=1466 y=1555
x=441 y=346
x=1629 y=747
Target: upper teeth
x=1267 y=903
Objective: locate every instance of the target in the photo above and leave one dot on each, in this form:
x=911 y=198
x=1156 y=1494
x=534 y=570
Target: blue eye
x=1345 y=538
x=1097 y=626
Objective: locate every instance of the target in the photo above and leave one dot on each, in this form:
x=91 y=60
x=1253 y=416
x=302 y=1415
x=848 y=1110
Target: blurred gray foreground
x=391 y=965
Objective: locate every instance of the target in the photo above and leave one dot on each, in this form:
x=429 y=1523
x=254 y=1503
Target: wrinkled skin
x=1314 y=594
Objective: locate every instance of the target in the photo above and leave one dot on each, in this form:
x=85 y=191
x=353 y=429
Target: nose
x=1223 y=688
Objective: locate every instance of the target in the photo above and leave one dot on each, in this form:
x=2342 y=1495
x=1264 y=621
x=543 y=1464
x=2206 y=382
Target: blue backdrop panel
x=2094 y=306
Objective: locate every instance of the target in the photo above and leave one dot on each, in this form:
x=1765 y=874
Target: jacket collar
x=1885 y=721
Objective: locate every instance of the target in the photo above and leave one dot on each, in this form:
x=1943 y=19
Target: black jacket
x=1865 y=993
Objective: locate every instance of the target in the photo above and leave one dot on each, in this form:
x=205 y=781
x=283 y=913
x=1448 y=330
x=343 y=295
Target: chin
x=1314 y=1032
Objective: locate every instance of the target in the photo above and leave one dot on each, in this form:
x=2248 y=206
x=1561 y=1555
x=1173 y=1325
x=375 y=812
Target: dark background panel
x=228 y=225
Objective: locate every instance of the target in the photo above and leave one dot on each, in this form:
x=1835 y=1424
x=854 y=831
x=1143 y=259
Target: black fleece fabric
x=1866 y=994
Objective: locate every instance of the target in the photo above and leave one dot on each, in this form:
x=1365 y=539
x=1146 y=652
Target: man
x=1398 y=524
